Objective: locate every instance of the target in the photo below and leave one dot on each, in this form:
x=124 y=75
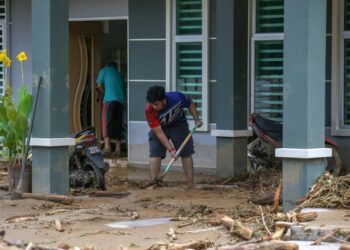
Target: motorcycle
x=268 y=137
x=86 y=165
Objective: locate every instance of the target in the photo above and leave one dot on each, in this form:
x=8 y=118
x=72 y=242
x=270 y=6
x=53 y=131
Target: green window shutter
x=189 y=17
x=347 y=82
x=2 y=43
x=268 y=88
x=269 y=16
x=2 y=68
x=189 y=73
x=346 y=15
x=2 y=10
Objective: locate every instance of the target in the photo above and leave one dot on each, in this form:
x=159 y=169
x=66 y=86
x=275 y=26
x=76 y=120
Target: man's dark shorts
x=112 y=117
x=177 y=135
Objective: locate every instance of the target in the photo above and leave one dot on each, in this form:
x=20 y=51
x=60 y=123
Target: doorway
x=92 y=44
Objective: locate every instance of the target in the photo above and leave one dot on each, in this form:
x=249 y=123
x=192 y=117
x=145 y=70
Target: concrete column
x=303 y=98
x=231 y=127
x=51 y=124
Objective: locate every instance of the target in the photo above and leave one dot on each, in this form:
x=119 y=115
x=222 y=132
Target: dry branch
x=109 y=194
x=236 y=227
x=21 y=218
x=267 y=245
x=317 y=242
x=278 y=233
x=263 y=220
x=303 y=217
x=57 y=211
x=197 y=245
x=59 y=226
x=63 y=199
x=277 y=197
x=188 y=223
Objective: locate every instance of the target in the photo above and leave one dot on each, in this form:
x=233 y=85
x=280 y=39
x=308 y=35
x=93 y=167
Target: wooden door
x=84 y=65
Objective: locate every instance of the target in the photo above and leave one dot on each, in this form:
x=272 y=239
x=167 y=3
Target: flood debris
x=103 y=232
x=236 y=227
x=109 y=194
x=21 y=218
x=57 y=211
x=172 y=234
x=263 y=220
x=187 y=223
x=323 y=238
x=277 y=197
x=63 y=199
x=135 y=216
x=63 y=246
x=59 y=227
x=328 y=192
x=197 y=245
x=304 y=217
x=267 y=245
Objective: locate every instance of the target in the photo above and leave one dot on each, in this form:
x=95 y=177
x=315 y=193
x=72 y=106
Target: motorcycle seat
x=84 y=131
x=270 y=127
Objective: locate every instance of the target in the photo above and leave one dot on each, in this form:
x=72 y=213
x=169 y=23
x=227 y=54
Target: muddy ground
x=85 y=221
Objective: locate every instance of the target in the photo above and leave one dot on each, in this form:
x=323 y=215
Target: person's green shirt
x=113 y=84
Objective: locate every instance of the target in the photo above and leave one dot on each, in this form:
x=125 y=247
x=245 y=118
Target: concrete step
x=327 y=220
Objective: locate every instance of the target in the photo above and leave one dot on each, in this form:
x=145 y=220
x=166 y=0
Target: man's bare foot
x=153 y=187
x=190 y=186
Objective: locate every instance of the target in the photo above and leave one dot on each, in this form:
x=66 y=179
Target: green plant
x=14 y=120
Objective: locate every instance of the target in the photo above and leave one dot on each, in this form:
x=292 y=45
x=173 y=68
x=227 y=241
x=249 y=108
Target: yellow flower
x=22 y=56
x=2 y=55
x=7 y=61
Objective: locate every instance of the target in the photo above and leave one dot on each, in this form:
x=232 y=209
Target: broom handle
x=179 y=150
x=20 y=182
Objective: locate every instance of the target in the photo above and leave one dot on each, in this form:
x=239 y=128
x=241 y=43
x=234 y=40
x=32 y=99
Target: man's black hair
x=111 y=64
x=155 y=93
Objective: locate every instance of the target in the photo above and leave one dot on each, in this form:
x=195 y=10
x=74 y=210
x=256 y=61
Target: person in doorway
x=110 y=85
x=166 y=118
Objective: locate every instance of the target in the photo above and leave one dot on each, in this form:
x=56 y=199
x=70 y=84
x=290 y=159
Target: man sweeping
x=166 y=118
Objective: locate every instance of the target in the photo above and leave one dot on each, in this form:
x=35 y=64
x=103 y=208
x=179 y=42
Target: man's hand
x=173 y=153
x=200 y=123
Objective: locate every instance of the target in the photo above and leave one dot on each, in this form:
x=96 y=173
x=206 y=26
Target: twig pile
x=328 y=192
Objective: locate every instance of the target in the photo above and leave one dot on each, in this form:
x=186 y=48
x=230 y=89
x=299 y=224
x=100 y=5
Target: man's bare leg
x=117 y=148
x=154 y=167
x=107 y=150
x=187 y=164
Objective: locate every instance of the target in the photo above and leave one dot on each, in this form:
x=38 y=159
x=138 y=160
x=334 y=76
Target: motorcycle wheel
x=98 y=175
x=333 y=164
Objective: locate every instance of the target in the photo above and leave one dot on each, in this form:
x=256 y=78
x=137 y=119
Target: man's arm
x=193 y=111
x=101 y=89
x=164 y=140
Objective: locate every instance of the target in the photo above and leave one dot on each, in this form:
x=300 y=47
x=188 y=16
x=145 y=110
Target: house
x=288 y=60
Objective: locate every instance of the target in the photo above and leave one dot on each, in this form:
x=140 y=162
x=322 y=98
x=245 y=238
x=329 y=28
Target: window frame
x=344 y=35
x=171 y=41
x=338 y=128
x=5 y=27
x=255 y=37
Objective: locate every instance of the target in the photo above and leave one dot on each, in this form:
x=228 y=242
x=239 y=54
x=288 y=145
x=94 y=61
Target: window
x=190 y=53
x=2 y=44
x=267 y=58
x=345 y=45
